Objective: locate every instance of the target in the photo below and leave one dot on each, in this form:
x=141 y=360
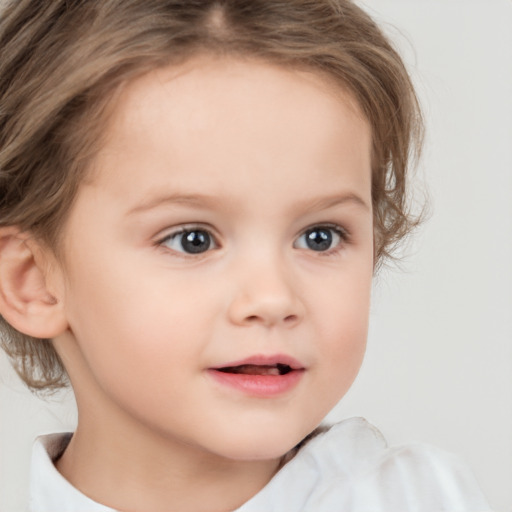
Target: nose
x=266 y=294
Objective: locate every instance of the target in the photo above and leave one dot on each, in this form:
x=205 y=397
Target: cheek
x=343 y=354
x=343 y=321
x=345 y=346
x=132 y=325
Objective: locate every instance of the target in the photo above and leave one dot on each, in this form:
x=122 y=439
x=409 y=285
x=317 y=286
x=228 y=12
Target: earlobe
x=25 y=300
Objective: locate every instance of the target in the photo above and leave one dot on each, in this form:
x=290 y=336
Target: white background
x=439 y=362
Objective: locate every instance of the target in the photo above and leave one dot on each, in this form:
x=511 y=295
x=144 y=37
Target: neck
x=132 y=471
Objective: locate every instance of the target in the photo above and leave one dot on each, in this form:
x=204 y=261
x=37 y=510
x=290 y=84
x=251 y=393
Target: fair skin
x=267 y=172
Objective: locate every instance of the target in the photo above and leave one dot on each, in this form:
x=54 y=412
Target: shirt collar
x=49 y=490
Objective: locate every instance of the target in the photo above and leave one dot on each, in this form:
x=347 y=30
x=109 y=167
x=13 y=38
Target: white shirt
x=349 y=468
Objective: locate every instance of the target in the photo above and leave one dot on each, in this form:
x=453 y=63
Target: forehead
x=213 y=113
x=224 y=81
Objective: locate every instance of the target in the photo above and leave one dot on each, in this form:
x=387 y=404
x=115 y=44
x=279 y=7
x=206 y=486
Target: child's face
x=227 y=220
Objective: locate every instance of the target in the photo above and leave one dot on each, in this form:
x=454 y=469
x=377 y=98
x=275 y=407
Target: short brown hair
x=62 y=61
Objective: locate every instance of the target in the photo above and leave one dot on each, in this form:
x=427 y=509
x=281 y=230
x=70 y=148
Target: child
x=194 y=199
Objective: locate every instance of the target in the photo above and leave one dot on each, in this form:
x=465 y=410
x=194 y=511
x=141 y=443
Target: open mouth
x=256 y=369
x=260 y=376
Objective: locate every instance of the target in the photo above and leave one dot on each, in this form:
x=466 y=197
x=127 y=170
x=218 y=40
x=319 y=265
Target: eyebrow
x=208 y=201
x=196 y=200
x=338 y=199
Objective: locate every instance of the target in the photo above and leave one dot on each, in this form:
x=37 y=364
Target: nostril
x=289 y=319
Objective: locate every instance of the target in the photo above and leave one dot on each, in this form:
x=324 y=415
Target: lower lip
x=259 y=385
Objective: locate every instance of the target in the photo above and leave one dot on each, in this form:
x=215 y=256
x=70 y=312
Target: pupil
x=319 y=239
x=196 y=241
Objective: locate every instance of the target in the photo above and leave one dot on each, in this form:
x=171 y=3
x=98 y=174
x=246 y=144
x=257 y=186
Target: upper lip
x=264 y=360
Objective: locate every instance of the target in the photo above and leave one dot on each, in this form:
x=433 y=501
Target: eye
x=190 y=241
x=320 y=238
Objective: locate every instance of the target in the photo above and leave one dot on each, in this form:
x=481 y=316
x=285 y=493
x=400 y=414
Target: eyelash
x=182 y=231
x=340 y=232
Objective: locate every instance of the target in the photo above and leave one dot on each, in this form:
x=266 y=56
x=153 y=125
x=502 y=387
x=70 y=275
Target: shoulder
x=350 y=467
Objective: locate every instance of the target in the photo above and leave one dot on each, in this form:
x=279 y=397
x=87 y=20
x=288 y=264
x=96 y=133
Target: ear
x=26 y=302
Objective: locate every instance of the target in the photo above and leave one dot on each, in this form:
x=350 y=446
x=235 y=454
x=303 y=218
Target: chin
x=257 y=453
x=262 y=445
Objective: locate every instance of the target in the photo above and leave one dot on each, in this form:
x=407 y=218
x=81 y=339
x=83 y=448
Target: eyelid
x=183 y=228
x=169 y=233
x=341 y=231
